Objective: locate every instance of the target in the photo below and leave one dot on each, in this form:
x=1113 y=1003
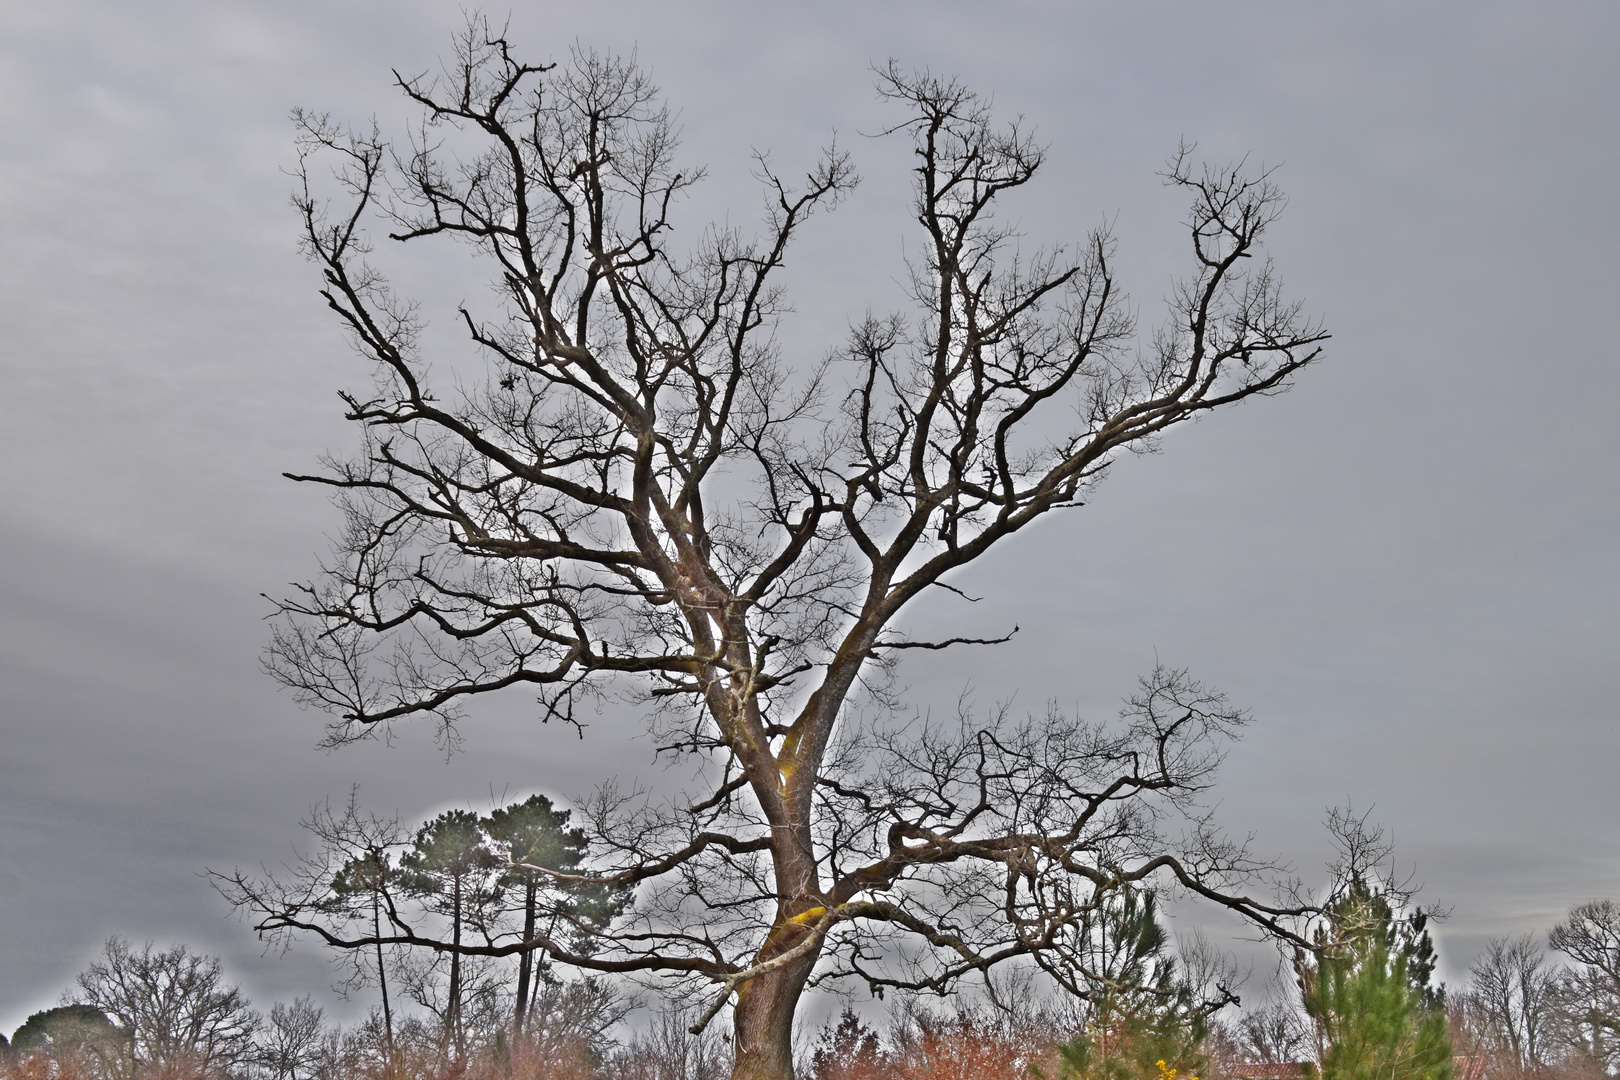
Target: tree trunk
x=382 y=981
x=452 y=1015
x=762 y=1019
x=763 y=1022
x=525 y=960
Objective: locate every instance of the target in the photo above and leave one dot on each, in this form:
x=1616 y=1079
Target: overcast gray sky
x=1406 y=567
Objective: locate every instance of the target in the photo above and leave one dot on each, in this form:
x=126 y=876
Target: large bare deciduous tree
x=173 y=1011
x=651 y=492
x=1588 y=993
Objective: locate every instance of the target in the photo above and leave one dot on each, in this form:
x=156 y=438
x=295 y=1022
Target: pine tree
x=448 y=866
x=1368 y=992
x=849 y=1051
x=364 y=879
x=1143 y=1020
x=533 y=837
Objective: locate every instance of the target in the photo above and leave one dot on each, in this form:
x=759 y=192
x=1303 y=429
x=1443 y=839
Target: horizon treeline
x=1363 y=1003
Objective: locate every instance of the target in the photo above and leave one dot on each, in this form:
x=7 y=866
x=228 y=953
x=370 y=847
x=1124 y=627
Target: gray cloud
x=1406 y=566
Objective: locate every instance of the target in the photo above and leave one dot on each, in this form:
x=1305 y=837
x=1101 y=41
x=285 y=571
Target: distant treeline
x=1363 y=1007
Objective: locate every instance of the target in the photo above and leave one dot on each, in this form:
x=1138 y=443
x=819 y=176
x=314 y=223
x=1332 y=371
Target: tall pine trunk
x=525 y=960
x=452 y=1014
x=382 y=981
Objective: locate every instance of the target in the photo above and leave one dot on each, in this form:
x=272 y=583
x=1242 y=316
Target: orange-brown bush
x=81 y=1064
x=73 y=1065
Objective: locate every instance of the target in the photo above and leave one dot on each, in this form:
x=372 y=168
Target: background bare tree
x=1273 y=1033
x=176 y=1014
x=289 y=1041
x=667 y=1049
x=642 y=496
x=1588 y=993
x=1510 y=1007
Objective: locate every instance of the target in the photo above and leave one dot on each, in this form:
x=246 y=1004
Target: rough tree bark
x=573 y=523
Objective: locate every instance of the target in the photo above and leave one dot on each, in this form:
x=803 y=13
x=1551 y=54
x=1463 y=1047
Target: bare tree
x=290 y=1042
x=572 y=1020
x=1511 y=995
x=174 y=1011
x=669 y=1050
x=1590 y=936
x=1588 y=995
x=644 y=497
x=1274 y=1033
